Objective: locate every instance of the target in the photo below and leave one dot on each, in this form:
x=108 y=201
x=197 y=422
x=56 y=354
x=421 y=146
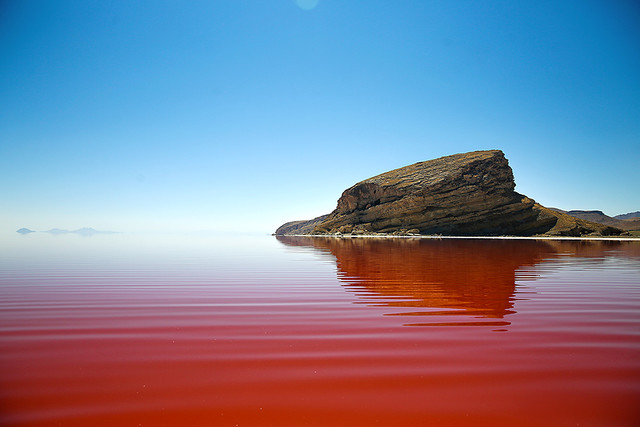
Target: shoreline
x=436 y=237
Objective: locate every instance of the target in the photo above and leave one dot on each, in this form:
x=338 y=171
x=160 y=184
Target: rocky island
x=469 y=194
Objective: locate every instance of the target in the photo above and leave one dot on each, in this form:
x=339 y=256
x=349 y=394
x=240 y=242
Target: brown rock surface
x=299 y=227
x=462 y=194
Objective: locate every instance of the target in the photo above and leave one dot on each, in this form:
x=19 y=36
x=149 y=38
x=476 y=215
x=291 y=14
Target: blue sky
x=239 y=115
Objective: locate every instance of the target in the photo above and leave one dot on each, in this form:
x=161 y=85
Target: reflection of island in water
x=442 y=278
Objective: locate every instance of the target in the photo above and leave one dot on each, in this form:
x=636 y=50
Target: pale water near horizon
x=256 y=330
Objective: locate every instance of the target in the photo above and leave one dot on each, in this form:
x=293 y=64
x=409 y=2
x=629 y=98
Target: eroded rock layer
x=462 y=194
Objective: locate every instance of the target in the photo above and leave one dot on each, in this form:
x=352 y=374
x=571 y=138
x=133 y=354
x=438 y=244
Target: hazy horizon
x=243 y=115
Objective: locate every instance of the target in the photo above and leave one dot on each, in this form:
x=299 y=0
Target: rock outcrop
x=468 y=194
x=300 y=227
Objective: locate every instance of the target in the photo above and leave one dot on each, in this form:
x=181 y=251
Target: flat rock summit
x=469 y=194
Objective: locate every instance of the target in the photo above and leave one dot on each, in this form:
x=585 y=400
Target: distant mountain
x=57 y=231
x=600 y=218
x=629 y=215
x=85 y=231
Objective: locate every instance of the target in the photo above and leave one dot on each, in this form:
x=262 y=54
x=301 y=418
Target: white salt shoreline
x=435 y=237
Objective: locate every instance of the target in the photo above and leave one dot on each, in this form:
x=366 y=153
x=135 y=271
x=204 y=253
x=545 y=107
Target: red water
x=325 y=332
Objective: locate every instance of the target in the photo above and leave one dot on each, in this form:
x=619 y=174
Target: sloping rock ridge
x=469 y=194
x=630 y=215
x=631 y=223
x=300 y=227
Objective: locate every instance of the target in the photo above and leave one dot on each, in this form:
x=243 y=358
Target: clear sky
x=243 y=114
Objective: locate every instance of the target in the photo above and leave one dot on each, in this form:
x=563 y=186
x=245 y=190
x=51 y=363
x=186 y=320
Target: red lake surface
x=210 y=330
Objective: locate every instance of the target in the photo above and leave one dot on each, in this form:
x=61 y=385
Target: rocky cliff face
x=463 y=194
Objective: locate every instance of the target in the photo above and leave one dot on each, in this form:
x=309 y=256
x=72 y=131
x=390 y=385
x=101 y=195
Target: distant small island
x=85 y=231
x=468 y=194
